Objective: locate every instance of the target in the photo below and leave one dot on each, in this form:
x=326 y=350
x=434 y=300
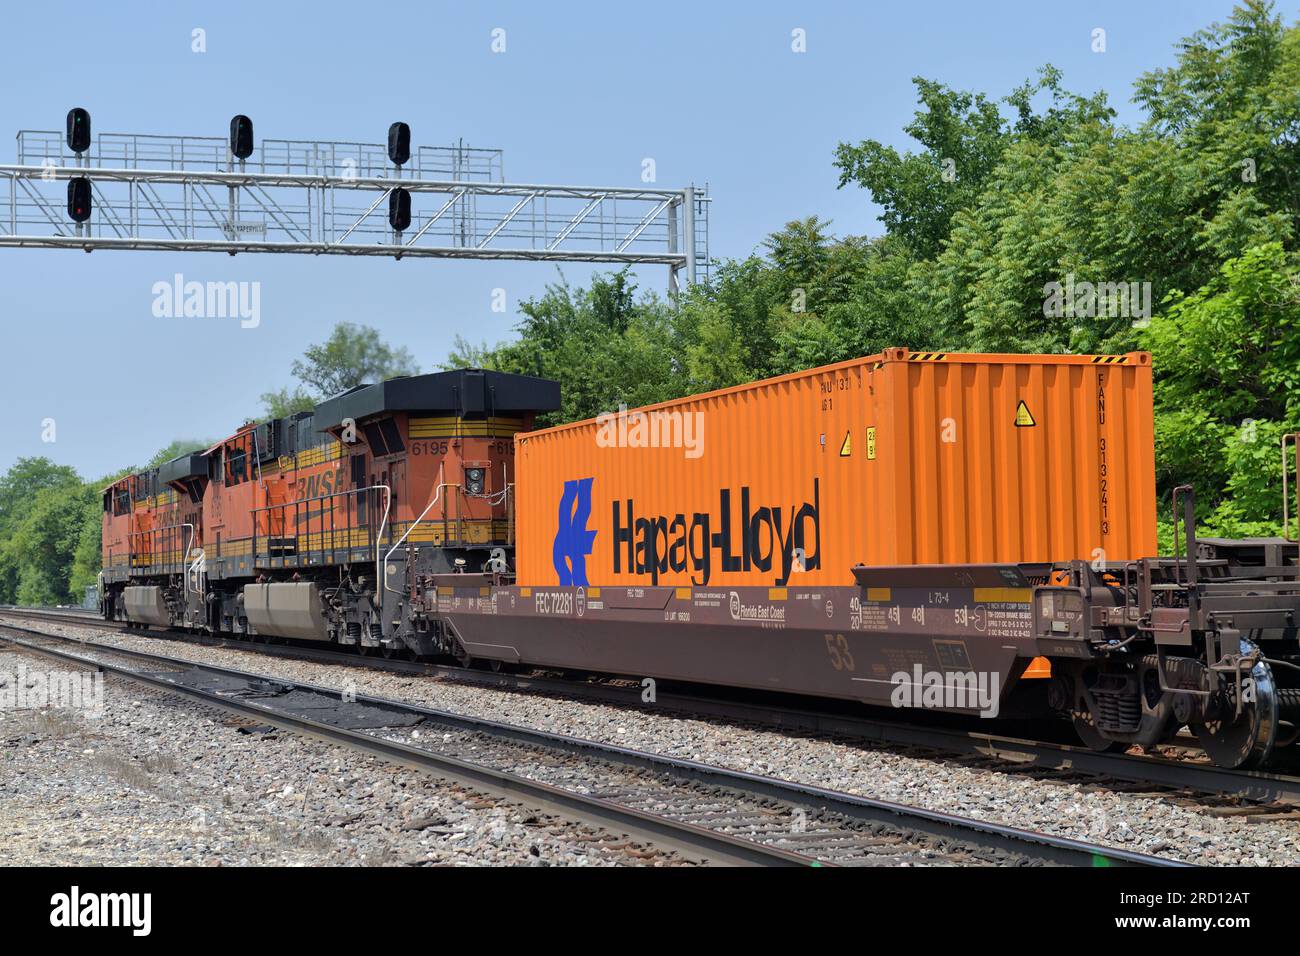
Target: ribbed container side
x=899 y=458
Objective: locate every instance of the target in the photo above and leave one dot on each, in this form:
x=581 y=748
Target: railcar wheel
x=1092 y=737
x=363 y=649
x=1245 y=741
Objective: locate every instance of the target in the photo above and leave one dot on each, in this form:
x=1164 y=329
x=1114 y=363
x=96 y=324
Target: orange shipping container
x=900 y=458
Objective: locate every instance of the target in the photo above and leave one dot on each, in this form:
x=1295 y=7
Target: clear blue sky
x=712 y=91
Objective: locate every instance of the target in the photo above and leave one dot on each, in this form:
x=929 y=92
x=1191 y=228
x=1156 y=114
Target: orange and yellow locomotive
x=326 y=525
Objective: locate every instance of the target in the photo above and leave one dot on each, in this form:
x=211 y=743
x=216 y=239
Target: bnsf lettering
x=768 y=541
x=553 y=602
x=321 y=483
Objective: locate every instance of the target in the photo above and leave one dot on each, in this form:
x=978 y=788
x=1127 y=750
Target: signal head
x=399 y=143
x=79 y=203
x=241 y=136
x=399 y=209
x=78 y=130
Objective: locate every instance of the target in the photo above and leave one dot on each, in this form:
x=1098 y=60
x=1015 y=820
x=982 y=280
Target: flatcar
x=973 y=534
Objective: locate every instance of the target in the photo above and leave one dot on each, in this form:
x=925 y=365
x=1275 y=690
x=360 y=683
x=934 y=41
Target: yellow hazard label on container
x=1023 y=417
x=871 y=443
x=846 y=447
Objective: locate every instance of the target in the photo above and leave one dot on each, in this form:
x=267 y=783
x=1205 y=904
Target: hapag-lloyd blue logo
x=573 y=542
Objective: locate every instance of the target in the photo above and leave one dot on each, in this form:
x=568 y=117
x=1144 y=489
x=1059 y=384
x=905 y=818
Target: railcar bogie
x=1206 y=641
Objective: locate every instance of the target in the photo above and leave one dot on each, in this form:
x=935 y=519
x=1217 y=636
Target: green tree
x=964 y=136
x=352 y=355
x=605 y=345
x=182 y=446
x=45 y=540
x=1063 y=194
x=20 y=488
x=1227 y=360
x=284 y=402
x=87 y=555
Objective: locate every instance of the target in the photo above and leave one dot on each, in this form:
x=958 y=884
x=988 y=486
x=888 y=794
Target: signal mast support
x=321 y=198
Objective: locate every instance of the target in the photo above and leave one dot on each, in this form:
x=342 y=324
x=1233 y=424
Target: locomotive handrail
x=437 y=493
x=153 y=532
x=502 y=496
x=193 y=569
x=297 y=504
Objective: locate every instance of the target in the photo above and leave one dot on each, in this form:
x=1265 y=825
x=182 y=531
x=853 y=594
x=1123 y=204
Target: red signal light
x=79 y=201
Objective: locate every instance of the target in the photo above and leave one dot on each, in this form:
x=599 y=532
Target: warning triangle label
x=1023 y=418
x=846 y=449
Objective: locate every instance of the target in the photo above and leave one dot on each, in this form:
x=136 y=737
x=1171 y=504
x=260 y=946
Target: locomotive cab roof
x=183 y=467
x=467 y=393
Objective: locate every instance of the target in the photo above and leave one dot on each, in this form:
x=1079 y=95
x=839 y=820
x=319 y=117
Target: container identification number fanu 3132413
x=1102 y=463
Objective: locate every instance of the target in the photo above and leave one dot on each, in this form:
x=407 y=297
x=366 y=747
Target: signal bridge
x=192 y=193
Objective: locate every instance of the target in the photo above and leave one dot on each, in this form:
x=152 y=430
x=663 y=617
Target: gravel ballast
x=162 y=780
x=1150 y=824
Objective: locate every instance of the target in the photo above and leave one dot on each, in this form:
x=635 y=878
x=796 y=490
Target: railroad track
x=999 y=749
x=712 y=813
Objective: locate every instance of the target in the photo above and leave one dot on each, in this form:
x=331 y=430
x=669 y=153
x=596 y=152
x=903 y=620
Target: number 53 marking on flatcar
x=838 y=649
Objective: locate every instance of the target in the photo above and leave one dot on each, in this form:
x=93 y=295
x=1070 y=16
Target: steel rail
x=1255 y=785
x=709 y=845
x=1046 y=847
